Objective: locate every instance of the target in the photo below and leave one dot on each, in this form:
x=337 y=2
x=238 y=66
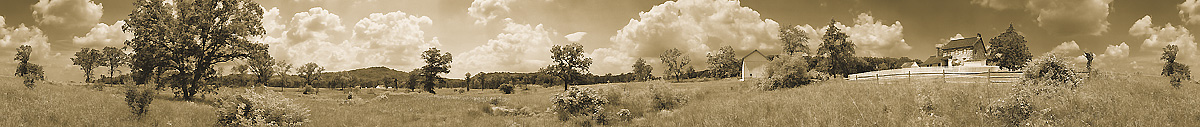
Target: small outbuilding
x=754 y=65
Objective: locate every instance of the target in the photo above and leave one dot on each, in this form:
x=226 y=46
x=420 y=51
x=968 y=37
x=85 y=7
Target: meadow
x=1104 y=99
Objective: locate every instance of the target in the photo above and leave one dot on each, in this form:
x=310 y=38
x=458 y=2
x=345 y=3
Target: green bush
x=256 y=109
x=664 y=98
x=786 y=71
x=577 y=101
x=1045 y=79
x=506 y=88
x=309 y=90
x=138 y=98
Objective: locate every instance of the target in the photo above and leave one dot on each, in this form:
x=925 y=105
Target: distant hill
x=370 y=73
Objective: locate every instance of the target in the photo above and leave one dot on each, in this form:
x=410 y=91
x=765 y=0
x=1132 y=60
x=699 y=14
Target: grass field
x=1105 y=99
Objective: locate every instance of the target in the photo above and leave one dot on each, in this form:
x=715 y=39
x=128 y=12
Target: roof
x=965 y=42
x=769 y=57
x=935 y=60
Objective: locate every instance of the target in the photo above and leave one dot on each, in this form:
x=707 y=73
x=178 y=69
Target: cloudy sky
x=515 y=35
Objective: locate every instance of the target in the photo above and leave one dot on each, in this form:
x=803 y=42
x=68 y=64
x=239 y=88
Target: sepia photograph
x=620 y=63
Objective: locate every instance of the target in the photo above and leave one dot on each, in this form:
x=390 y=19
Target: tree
x=675 y=61
x=87 y=60
x=468 y=81
x=793 y=40
x=199 y=34
x=149 y=24
x=436 y=62
x=413 y=79
x=569 y=63
x=283 y=68
x=839 y=51
x=641 y=70
x=28 y=71
x=1008 y=50
x=113 y=57
x=263 y=67
x=723 y=64
x=309 y=72
x=1089 y=56
x=1176 y=71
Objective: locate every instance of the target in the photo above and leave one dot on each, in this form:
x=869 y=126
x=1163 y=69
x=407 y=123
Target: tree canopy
x=569 y=63
x=1008 y=50
x=436 y=62
x=675 y=62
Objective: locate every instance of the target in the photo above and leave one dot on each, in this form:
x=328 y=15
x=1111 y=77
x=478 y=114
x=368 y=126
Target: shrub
x=624 y=115
x=506 y=88
x=786 y=71
x=309 y=90
x=1044 y=78
x=664 y=98
x=577 y=101
x=259 y=109
x=138 y=98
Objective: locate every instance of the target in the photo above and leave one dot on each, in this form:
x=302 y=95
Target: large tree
x=1008 y=50
x=641 y=70
x=28 y=71
x=1174 y=70
x=793 y=39
x=88 y=59
x=723 y=63
x=436 y=62
x=467 y=81
x=149 y=24
x=263 y=66
x=199 y=34
x=113 y=57
x=839 y=52
x=310 y=72
x=569 y=63
x=675 y=61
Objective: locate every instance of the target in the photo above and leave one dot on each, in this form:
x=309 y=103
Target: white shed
x=754 y=65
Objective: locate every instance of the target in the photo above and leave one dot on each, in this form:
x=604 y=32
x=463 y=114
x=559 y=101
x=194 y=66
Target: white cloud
x=1065 y=17
x=696 y=27
x=67 y=13
x=104 y=35
x=15 y=36
x=873 y=38
x=393 y=39
x=607 y=60
x=574 y=37
x=1066 y=47
x=520 y=48
x=1189 y=11
x=485 y=11
x=1158 y=37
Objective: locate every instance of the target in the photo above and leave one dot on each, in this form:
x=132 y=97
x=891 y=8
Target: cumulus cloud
x=520 y=48
x=1189 y=11
x=607 y=60
x=696 y=27
x=1065 y=47
x=104 y=35
x=873 y=38
x=12 y=37
x=393 y=39
x=485 y=11
x=574 y=37
x=1065 y=17
x=1158 y=37
x=67 y=13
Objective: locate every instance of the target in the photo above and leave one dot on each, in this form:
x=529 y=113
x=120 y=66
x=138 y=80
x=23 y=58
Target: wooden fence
x=990 y=77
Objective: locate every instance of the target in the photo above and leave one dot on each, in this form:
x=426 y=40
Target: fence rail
x=989 y=76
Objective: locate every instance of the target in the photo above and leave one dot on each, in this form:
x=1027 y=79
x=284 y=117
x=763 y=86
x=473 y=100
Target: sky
x=516 y=35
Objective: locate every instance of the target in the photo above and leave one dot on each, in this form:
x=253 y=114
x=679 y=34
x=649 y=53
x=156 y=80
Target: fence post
x=910 y=76
x=944 y=76
x=989 y=76
x=878 y=80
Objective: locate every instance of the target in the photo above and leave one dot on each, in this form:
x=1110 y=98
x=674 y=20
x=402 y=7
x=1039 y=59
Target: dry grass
x=1106 y=99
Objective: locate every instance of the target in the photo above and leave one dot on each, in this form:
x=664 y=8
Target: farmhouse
x=963 y=52
x=754 y=65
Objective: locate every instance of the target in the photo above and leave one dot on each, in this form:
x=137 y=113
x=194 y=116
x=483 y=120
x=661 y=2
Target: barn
x=754 y=65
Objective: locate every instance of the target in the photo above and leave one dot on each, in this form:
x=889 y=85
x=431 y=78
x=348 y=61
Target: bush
x=259 y=109
x=506 y=88
x=786 y=71
x=138 y=98
x=577 y=101
x=309 y=90
x=665 y=98
x=1045 y=78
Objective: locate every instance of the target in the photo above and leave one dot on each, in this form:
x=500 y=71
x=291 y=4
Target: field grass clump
x=507 y=88
x=1047 y=80
x=578 y=102
x=259 y=108
x=665 y=98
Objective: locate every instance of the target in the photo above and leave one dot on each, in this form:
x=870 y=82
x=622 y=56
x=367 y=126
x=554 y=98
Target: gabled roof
x=769 y=57
x=965 y=42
